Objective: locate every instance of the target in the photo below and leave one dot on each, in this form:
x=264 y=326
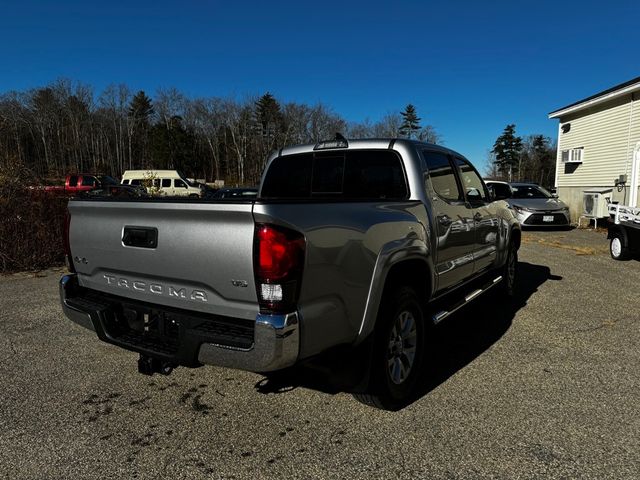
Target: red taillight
x=278 y=262
x=65 y=241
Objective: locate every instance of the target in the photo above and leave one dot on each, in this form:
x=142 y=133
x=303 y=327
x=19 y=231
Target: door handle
x=477 y=217
x=444 y=220
x=142 y=237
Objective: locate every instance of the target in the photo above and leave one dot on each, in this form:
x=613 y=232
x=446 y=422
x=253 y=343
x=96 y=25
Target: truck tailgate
x=202 y=259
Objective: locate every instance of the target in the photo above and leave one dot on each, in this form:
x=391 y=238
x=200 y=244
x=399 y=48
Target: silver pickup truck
x=363 y=244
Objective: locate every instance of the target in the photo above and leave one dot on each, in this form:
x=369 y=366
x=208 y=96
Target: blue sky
x=469 y=67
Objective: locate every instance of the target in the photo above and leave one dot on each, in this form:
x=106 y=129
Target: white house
x=599 y=146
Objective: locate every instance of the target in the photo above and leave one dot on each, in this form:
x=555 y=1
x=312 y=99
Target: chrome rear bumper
x=276 y=342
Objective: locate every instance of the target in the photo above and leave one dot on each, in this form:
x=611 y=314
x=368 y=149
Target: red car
x=82 y=182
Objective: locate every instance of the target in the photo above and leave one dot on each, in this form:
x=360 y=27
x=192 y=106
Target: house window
x=573 y=155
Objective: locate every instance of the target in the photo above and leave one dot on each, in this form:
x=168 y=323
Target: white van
x=165 y=182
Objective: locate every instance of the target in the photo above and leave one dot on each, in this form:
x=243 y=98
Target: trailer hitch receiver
x=149 y=365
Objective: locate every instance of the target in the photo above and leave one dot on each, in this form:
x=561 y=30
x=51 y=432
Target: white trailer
x=624 y=231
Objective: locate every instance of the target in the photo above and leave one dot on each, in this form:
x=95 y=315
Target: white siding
x=634 y=131
x=608 y=134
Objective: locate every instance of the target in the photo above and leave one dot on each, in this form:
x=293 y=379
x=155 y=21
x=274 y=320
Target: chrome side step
x=441 y=315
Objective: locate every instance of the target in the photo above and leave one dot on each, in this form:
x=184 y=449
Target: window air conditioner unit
x=573 y=155
x=596 y=203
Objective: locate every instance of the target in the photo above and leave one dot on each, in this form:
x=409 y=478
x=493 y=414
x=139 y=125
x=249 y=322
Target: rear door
x=485 y=219
x=166 y=186
x=453 y=219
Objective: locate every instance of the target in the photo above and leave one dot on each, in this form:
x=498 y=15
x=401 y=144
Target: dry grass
x=559 y=243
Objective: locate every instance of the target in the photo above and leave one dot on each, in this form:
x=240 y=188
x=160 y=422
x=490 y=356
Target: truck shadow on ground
x=464 y=336
x=452 y=345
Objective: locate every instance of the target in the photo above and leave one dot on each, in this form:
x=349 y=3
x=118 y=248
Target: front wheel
x=398 y=351
x=617 y=247
x=510 y=271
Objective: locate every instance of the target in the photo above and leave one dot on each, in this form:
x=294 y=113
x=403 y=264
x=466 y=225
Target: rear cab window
x=356 y=175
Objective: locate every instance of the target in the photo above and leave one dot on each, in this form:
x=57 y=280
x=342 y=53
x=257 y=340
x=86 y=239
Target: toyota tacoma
x=357 y=244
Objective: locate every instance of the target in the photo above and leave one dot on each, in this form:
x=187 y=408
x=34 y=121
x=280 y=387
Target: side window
x=179 y=183
x=166 y=182
x=88 y=181
x=125 y=182
x=442 y=175
x=502 y=190
x=135 y=182
x=73 y=180
x=471 y=182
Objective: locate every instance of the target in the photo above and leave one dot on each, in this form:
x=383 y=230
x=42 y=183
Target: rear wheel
x=398 y=351
x=617 y=247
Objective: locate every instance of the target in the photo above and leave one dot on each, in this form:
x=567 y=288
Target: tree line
x=65 y=127
x=518 y=159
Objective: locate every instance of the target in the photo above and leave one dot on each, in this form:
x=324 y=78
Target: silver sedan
x=533 y=205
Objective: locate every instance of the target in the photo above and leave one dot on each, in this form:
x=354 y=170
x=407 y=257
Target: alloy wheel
x=401 y=353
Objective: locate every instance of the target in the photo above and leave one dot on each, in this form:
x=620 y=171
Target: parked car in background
x=164 y=182
x=81 y=182
x=533 y=205
x=118 y=190
x=235 y=193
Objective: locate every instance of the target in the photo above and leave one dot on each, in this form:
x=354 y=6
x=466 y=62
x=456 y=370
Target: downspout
x=635 y=161
x=635 y=173
x=630 y=152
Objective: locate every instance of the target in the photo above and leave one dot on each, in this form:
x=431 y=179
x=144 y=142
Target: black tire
x=617 y=247
x=400 y=332
x=510 y=272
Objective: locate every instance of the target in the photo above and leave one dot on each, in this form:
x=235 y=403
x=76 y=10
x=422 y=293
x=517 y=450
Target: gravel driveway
x=548 y=388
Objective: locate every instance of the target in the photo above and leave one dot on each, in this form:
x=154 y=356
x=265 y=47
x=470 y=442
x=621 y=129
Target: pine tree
x=507 y=150
x=141 y=107
x=138 y=127
x=268 y=115
x=410 y=121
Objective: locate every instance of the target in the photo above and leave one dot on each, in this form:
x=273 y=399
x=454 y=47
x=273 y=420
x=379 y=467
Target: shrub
x=31 y=224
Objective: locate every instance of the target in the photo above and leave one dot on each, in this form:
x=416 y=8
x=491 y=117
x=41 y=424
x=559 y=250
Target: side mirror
x=492 y=193
x=474 y=195
x=554 y=195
